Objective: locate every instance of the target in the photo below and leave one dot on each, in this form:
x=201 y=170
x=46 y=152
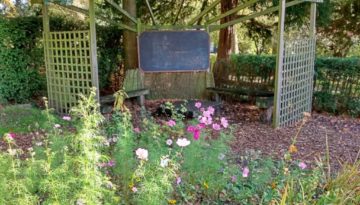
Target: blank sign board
x=167 y=51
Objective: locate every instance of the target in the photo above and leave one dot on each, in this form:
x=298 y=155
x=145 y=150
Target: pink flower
x=224 y=122
x=111 y=163
x=216 y=126
x=134 y=189
x=136 y=130
x=245 y=172
x=196 y=134
x=183 y=142
x=207 y=113
x=233 y=178
x=67 y=118
x=178 y=180
x=171 y=123
x=191 y=128
x=211 y=110
x=200 y=126
x=142 y=154
x=198 y=105
x=195 y=130
x=302 y=165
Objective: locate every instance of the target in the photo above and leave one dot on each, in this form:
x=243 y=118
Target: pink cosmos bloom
x=302 y=165
x=198 y=105
x=245 y=172
x=191 y=128
x=207 y=113
x=134 y=189
x=224 y=122
x=111 y=163
x=12 y=135
x=216 y=126
x=200 y=126
x=67 y=118
x=171 y=123
x=196 y=134
x=136 y=130
x=211 y=110
x=208 y=121
x=233 y=178
x=178 y=180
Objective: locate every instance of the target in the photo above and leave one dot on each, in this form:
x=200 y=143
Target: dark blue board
x=168 y=51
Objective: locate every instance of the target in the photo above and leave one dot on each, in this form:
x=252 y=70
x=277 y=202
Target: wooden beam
x=204 y=12
x=279 y=63
x=93 y=50
x=151 y=12
x=232 y=11
x=86 y=12
x=125 y=13
x=261 y=13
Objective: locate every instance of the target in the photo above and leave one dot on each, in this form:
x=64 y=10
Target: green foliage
x=20 y=58
x=20 y=119
x=63 y=171
x=21 y=54
x=337 y=85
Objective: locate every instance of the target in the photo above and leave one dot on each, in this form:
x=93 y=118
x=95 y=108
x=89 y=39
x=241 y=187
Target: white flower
x=169 y=142
x=142 y=154
x=39 y=143
x=57 y=126
x=12 y=152
x=114 y=139
x=164 y=162
x=183 y=142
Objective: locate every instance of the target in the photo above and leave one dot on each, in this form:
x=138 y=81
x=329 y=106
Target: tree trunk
x=226 y=36
x=130 y=41
x=222 y=65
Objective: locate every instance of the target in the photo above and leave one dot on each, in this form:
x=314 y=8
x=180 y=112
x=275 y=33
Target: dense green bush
x=21 y=54
x=20 y=58
x=337 y=80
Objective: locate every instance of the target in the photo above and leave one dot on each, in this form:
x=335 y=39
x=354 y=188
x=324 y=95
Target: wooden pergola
x=72 y=68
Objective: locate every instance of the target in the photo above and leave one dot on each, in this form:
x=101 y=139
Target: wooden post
x=46 y=32
x=279 y=64
x=93 y=49
x=313 y=19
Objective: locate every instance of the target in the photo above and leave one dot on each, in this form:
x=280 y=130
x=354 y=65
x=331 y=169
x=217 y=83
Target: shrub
x=22 y=56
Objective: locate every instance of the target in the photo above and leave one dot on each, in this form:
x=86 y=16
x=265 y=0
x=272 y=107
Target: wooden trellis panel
x=68 y=67
x=296 y=87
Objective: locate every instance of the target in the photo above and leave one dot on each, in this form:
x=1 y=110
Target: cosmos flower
x=169 y=142
x=245 y=172
x=171 y=123
x=67 y=118
x=183 y=142
x=142 y=154
x=216 y=126
x=198 y=105
x=302 y=165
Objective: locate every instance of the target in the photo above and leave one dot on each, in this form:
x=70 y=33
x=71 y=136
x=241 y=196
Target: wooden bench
x=133 y=86
x=263 y=97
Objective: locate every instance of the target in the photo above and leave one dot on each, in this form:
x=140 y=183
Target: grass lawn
x=19 y=119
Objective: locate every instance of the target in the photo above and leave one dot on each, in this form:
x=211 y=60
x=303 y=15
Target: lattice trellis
x=68 y=67
x=296 y=87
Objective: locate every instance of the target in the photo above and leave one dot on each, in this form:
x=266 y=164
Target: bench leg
x=141 y=100
x=217 y=97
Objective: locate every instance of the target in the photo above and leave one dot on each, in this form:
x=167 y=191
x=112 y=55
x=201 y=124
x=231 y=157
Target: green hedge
x=21 y=54
x=337 y=80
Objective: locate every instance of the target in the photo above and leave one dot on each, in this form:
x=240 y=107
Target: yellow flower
x=172 y=201
x=131 y=185
x=273 y=185
x=286 y=170
x=206 y=185
x=293 y=149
